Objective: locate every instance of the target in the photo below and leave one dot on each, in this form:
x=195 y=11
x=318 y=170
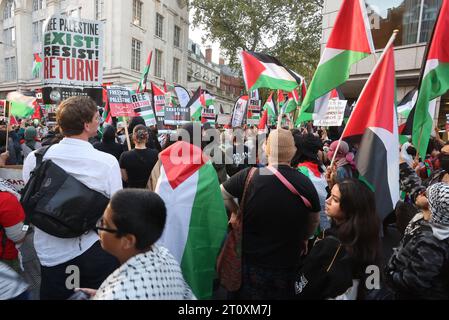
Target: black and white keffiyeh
x=153 y=275
x=438 y=197
x=5 y=186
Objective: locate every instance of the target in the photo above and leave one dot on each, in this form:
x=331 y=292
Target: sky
x=195 y=35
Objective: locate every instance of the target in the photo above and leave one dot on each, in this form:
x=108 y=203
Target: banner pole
x=125 y=120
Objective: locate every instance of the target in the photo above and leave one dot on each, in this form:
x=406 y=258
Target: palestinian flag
x=37 y=65
x=21 y=106
x=374 y=125
x=271 y=108
x=158 y=100
x=350 y=41
x=405 y=115
x=196 y=217
x=292 y=101
x=263 y=71
x=434 y=82
x=196 y=103
x=263 y=123
x=146 y=71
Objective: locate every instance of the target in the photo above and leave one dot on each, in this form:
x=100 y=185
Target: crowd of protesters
x=309 y=230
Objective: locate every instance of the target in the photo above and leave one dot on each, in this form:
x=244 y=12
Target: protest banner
x=253 y=113
x=208 y=115
x=334 y=114
x=120 y=102
x=239 y=111
x=13 y=174
x=73 y=58
x=143 y=107
x=176 y=115
x=183 y=95
x=224 y=119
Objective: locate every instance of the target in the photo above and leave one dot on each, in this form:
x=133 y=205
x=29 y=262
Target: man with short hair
x=78 y=120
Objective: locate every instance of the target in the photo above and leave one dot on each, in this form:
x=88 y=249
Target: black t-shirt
x=113 y=148
x=237 y=159
x=274 y=220
x=138 y=163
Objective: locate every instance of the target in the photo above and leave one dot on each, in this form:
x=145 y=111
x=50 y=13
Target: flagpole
x=7 y=112
x=126 y=132
x=389 y=43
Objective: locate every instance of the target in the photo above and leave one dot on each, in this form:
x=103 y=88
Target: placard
x=334 y=114
x=120 y=102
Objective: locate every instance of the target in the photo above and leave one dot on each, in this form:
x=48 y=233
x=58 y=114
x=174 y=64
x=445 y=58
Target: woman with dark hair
x=306 y=161
x=108 y=143
x=136 y=164
x=132 y=223
x=152 y=142
x=347 y=248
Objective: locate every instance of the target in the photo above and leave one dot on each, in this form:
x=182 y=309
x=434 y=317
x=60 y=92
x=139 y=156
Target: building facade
x=218 y=79
x=415 y=20
x=132 y=28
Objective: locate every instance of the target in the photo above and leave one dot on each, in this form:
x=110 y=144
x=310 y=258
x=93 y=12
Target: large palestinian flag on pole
x=373 y=124
x=264 y=71
x=196 y=218
x=146 y=71
x=350 y=41
x=434 y=83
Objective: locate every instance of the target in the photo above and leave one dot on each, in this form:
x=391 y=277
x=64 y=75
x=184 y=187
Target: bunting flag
x=146 y=71
x=196 y=217
x=264 y=71
x=21 y=106
x=434 y=82
x=196 y=103
x=37 y=65
x=373 y=125
x=350 y=41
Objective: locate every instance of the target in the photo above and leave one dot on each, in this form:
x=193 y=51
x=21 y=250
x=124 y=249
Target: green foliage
x=287 y=29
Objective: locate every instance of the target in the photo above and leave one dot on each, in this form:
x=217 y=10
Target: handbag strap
x=245 y=189
x=290 y=187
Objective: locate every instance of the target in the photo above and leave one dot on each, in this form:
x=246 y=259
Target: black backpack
x=59 y=204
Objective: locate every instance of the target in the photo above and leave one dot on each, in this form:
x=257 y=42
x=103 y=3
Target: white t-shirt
x=98 y=170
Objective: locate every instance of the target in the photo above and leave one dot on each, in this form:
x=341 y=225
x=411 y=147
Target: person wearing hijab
x=419 y=267
x=344 y=160
x=30 y=144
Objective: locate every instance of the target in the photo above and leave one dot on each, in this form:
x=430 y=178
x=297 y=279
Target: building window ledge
x=157 y=37
x=137 y=26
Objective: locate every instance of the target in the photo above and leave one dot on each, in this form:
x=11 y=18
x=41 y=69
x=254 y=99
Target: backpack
x=59 y=204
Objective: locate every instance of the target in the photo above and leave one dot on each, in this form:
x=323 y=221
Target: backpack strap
x=39 y=154
x=290 y=187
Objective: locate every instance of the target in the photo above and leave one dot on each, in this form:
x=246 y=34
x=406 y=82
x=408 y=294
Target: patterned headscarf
x=438 y=196
x=5 y=186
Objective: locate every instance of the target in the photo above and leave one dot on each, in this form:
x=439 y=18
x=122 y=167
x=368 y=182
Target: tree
x=290 y=30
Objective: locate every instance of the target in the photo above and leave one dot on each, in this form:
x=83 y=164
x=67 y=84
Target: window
x=413 y=18
x=158 y=64
x=38 y=5
x=177 y=37
x=175 y=75
x=37 y=31
x=9 y=36
x=10 y=69
x=99 y=8
x=159 y=25
x=8 y=11
x=135 y=54
x=137 y=12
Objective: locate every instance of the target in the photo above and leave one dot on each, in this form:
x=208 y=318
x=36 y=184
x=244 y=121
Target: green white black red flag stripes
x=196 y=218
x=264 y=71
x=37 y=65
x=196 y=103
x=271 y=108
x=434 y=83
x=21 y=105
x=146 y=71
x=350 y=41
x=373 y=124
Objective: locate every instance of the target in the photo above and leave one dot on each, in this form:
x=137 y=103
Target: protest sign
x=143 y=107
x=208 y=115
x=253 y=113
x=176 y=115
x=334 y=115
x=239 y=111
x=13 y=174
x=120 y=102
x=224 y=119
x=73 y=57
